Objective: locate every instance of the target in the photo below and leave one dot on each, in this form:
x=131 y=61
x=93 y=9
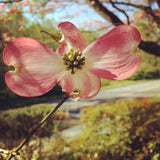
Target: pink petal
x=83 y=81
x=62 y=49
x=37 y=68
x=113 y=56
x=118 y=72
x=72 y=36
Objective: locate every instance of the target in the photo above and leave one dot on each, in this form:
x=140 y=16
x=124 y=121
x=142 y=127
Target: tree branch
x=104 y=12
x=150 y=47
x=147 y=46
x=113 y=5
x=56 y=36
x=147 y=9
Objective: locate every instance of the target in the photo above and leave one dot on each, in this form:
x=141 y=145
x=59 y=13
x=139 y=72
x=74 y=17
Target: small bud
x=71 y=57
x=83 y=58
x=80 y=53
x=78 y=58
x=71 y=51
x=69 y=63
x=79 y=67
x=65 y=57
x=65 y=54
x=75 y=69
x=82 y=63
x=75 y=62
x=65 y=62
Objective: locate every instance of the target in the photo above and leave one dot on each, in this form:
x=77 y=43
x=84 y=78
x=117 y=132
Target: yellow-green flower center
x=73 y=60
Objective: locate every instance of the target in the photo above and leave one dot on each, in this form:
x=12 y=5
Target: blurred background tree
x=26 y=18
x=114 y=12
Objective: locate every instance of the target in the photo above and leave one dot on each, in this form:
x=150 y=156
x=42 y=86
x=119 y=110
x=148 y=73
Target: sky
x=80 y=15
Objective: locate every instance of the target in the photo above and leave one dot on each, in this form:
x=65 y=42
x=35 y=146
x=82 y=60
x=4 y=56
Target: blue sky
x=88 y=14
x=85 y=17
x=77 y=14
x=80 y=15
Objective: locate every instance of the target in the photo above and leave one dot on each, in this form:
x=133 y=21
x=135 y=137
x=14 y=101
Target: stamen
x=69 y=63
x=78 y=58
x=71 y=57
x=71 y=51
x=75 y=95
x=73 y=60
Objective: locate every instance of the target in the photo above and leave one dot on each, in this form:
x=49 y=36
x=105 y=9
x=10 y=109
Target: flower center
x=73 y=60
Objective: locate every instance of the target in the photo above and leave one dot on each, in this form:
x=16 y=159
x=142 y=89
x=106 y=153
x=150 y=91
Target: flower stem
x=16 y=150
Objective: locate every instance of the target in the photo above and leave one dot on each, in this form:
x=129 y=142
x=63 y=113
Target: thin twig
x=128 y=21
x=37 y=127
x=56 y=36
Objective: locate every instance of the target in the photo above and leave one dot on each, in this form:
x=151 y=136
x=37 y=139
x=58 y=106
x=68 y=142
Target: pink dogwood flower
x=78 y=67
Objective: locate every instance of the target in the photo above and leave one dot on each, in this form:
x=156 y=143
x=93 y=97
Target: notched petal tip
x=75 y=95
x=36 y=67
x=72 y=36
x=132 y=32
x=84 y=85
x=114 y=55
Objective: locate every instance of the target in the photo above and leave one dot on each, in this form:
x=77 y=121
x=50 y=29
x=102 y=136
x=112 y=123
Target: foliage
x=124 y=130
x=121 y=130
x=15 y=124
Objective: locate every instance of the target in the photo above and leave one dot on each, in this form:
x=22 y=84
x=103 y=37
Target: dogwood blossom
x=76 y=66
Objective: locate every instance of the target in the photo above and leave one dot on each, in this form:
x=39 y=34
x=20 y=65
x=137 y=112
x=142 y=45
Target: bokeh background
x=125 y=129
